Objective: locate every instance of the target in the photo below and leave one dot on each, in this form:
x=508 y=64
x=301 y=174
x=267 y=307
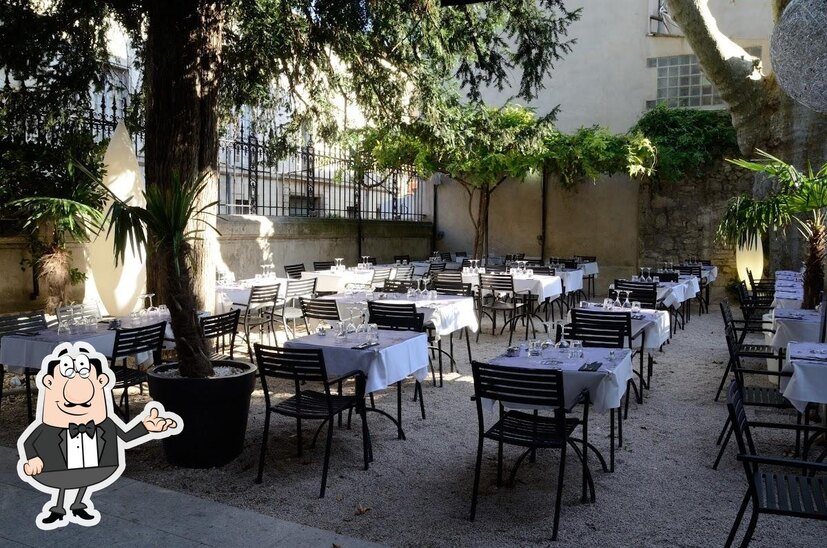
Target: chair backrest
x=299 y=288
x=692 y=270
x=380 y=275
x=449 y=276
x=466 y=263
x=80 y=311
x=263 y=295
x=435 y=267
x=571 y=265
x=401 y=316
x=371 y=260
x=498 y=283
x=447 y=287
x=22 y=322
x=222 y=329
x=515 y=257
x=542 y=270
x=135 y=340
x=645 y=292
x=322 y=265
x=402 y=258
x=294 y=271
x=495 y=269
x=741 y=429
x=404 y=272
x=297 y=364
x=397 y=286
x=320 y=309
x=588 y=258
x=445 y=256
x=518 y=386
x=599 y=328
x=726 y=313
x=667 y=276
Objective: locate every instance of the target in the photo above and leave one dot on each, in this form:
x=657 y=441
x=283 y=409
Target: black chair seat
x=127 y=376
x=804 y=496
x=503 y=305
x=759 y=351
x=768 y=397
x=528 y=430
x=313 y=405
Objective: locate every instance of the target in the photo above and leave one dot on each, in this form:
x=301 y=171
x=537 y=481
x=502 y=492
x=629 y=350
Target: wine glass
x=626 y=303
x=560 y=327
x=617 y=303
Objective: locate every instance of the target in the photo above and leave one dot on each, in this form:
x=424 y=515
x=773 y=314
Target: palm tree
x=797 y=198
x=167 y=226
x=53 y=221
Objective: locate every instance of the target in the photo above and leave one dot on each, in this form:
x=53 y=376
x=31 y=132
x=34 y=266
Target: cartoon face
x=74 y=389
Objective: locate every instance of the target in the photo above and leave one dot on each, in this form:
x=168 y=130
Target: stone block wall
x=679 y=220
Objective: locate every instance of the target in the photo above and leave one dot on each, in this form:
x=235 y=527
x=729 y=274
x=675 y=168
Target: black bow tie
x=88 y=429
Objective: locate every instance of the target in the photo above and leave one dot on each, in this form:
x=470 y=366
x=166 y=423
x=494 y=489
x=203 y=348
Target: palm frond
x=746 y=219
x=78 y=219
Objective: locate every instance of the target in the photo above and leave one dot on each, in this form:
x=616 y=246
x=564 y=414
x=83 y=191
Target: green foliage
x=591 y=152
x=796 y=193
x=687 y=140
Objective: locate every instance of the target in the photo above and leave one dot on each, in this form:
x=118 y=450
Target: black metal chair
x=322 y=265
x=695 y=270
x=379 y=276
x=308 y=366
x=289 y=308
x=514 y=257
x=402 y=258
x=319 y=309
x=397 y=286
x=530 y=388
x=449 y=276
x=781 y=494
x=457 y=289
x=404 y=272
x=758 y=396
x=294 y=271
x=434 y=269
x=644 y=292
x=220 y=331
x=22 y=322
x=399 y=317
x=257 y=312
x=497 y=294
x=744 y=349
x=445 y=256
x=129 y=342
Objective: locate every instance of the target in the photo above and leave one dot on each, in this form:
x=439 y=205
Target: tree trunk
x=814 y=271
x=763 y=115
x=182 y=76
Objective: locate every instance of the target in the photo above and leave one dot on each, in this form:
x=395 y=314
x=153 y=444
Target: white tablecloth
x=572 y=279
x=327 y=281
x=399 y=354
x=239 y=292
x=606 y=386
x=448 y=313
x=789 y=293
x=545 y=287
x=710 y=273
x=672 y=294
x=17 y=352
x=808 y=384
x=792 y=325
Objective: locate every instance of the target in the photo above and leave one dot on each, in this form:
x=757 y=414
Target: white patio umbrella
x=118 y=289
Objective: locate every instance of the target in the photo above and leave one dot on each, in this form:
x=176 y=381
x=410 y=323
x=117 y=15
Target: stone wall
x=679 y=220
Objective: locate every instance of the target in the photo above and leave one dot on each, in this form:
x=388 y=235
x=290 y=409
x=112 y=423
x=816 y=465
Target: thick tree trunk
x=182 y=75
x=763 y=115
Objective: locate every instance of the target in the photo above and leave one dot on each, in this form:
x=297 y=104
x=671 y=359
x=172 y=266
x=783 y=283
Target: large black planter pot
x=214 y=412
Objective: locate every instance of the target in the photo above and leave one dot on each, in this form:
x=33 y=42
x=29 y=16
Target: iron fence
x=315 y=180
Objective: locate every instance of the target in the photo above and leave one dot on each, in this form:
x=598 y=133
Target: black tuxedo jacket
x=49 y=443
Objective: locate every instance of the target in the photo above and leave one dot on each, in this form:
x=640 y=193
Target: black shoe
x=82 y=514
x=53 y=517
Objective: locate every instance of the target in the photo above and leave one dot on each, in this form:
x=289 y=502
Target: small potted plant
x=212 y=397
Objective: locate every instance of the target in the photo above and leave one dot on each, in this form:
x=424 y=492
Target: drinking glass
x=340 y=330
x=656 y=279
x=626 y=303
x=584 y=304
x=373 y=330
x=607 y=303
x=635 y=307
x=560 y=327
x=617 y=303
x=411 y=293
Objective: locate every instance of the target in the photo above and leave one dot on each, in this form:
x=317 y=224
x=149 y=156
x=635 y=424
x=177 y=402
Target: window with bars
x=681 y=82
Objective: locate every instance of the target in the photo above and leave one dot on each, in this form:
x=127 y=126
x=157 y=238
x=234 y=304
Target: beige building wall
x=605 y=80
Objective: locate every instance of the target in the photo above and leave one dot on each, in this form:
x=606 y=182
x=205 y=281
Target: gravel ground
x=418 y=491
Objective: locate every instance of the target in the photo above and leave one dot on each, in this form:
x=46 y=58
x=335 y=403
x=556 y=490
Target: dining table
x=807 y=364
x=27 y=350
x=544 y=287
x=447 y=313
x=335 y=281
x=673 y=294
